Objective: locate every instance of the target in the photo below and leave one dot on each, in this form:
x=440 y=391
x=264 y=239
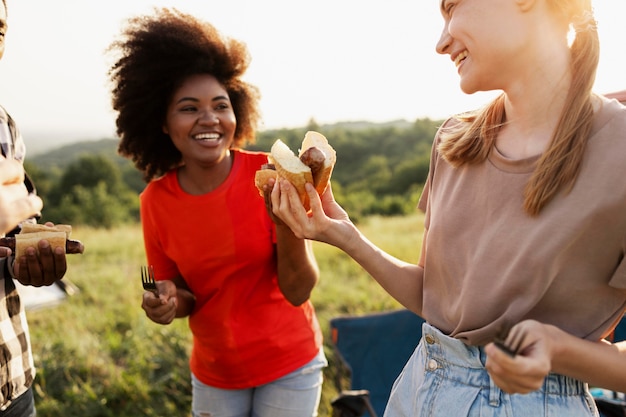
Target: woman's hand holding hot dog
x=326 y=221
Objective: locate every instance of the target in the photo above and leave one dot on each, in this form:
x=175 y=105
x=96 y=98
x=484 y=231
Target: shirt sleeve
x=164 y=267
x=11 y=140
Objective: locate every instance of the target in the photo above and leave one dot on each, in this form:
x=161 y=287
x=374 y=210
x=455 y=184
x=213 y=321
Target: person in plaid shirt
x=17 y=203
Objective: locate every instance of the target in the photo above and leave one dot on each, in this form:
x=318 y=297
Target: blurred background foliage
x=98 y=355
x=380 y=170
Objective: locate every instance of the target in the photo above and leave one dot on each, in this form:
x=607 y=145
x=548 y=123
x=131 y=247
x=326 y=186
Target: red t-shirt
x=245 y=333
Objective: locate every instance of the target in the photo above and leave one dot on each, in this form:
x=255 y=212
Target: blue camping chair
x=372 y=350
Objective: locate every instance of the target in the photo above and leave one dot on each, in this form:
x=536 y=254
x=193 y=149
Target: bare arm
x=298 y=272
x=297 y=268
x=328 y=222
x=186 y=301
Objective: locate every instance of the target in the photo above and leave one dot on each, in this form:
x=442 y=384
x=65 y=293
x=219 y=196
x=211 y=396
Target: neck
x=198 y=179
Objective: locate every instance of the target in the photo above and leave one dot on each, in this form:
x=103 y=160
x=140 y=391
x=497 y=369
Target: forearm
x=600 y=364
x=186 y=302
x=185 y=299
x=298 y=271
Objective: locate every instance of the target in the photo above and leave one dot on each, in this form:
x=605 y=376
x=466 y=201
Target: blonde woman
x=525 y=216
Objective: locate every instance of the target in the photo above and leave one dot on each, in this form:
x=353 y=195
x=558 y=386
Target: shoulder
x=159 y=185
x=610 y=120
x=251 y=155
x=251 y=159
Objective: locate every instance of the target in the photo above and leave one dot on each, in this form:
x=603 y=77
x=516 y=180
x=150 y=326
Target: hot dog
x=31 y=234
x=314 y=165
x=72 y=246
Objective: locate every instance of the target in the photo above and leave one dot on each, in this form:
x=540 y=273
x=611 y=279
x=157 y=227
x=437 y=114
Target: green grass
x=97 y=354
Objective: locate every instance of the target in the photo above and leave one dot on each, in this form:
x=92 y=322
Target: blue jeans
x=295 y=395
x=22 y=406
x=446 y=378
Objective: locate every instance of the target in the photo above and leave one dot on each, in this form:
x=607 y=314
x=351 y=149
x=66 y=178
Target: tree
x=91 y=192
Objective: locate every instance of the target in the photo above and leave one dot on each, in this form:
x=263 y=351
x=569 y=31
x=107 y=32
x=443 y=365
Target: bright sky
x=331 y=60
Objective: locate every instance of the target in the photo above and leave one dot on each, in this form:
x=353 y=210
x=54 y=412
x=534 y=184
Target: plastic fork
x=147 y=280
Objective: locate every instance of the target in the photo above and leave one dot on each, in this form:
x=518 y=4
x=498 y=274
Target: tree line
x=380 y=169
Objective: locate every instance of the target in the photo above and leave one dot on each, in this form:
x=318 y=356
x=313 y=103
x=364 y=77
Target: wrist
x=9 y=264
x=558 y=346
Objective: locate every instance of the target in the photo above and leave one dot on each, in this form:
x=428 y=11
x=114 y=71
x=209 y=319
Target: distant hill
x=60 y=157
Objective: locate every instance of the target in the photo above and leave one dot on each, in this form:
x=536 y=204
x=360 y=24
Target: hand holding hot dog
x=314 y=165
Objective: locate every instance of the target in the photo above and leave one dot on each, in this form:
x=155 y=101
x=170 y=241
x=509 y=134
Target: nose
x=209 y=117
x=444 y=41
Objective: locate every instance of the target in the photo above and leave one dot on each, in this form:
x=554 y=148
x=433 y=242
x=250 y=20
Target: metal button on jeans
x=432 y=365
x=429 y=339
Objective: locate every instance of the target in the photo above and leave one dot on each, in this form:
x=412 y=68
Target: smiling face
x=486 y=39
x=200 y=121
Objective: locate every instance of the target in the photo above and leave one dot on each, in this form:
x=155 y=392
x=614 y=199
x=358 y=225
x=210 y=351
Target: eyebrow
x=218 y=98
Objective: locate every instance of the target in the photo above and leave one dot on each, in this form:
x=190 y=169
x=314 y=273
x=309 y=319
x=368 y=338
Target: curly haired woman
x=183 y=115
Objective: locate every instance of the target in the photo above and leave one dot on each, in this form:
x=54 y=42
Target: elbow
x=296 y=297
x=298 y=301
x=297 y=285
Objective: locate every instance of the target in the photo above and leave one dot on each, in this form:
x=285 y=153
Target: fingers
x=516 y=338
x=41 y=269
x=526 y=371
x=27 y=207
x=158 y=309
x=315 y=200
x=511 y=374
x=16 y=205
x=287 y=206
x=267 y=195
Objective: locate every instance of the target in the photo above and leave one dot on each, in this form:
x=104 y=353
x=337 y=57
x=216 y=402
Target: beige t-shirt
x=488 y=263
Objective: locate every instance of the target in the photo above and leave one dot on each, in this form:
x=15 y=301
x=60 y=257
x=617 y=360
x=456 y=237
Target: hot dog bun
x=36 y=227
x=314 y=165
x=263 y=175
x=31 y=234
x=290 y=167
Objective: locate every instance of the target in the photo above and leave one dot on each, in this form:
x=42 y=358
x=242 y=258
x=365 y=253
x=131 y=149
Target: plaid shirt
x=17 y=369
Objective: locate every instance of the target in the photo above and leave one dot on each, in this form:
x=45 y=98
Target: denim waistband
x=455 y=359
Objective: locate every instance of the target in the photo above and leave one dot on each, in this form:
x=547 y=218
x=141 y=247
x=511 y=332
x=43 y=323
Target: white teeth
x=207 y=136
x=460 y=57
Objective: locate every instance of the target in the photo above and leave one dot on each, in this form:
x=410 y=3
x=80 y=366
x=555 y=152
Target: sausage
x=71 y=246
x=314 y=159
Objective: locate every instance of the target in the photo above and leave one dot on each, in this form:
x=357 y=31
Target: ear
x=525 y=5
x=165 y=130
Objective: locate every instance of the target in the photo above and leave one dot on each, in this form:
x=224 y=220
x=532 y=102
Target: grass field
x=98 y=355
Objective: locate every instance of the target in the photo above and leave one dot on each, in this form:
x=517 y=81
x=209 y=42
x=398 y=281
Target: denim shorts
x=447 y=378
x=294 y=395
